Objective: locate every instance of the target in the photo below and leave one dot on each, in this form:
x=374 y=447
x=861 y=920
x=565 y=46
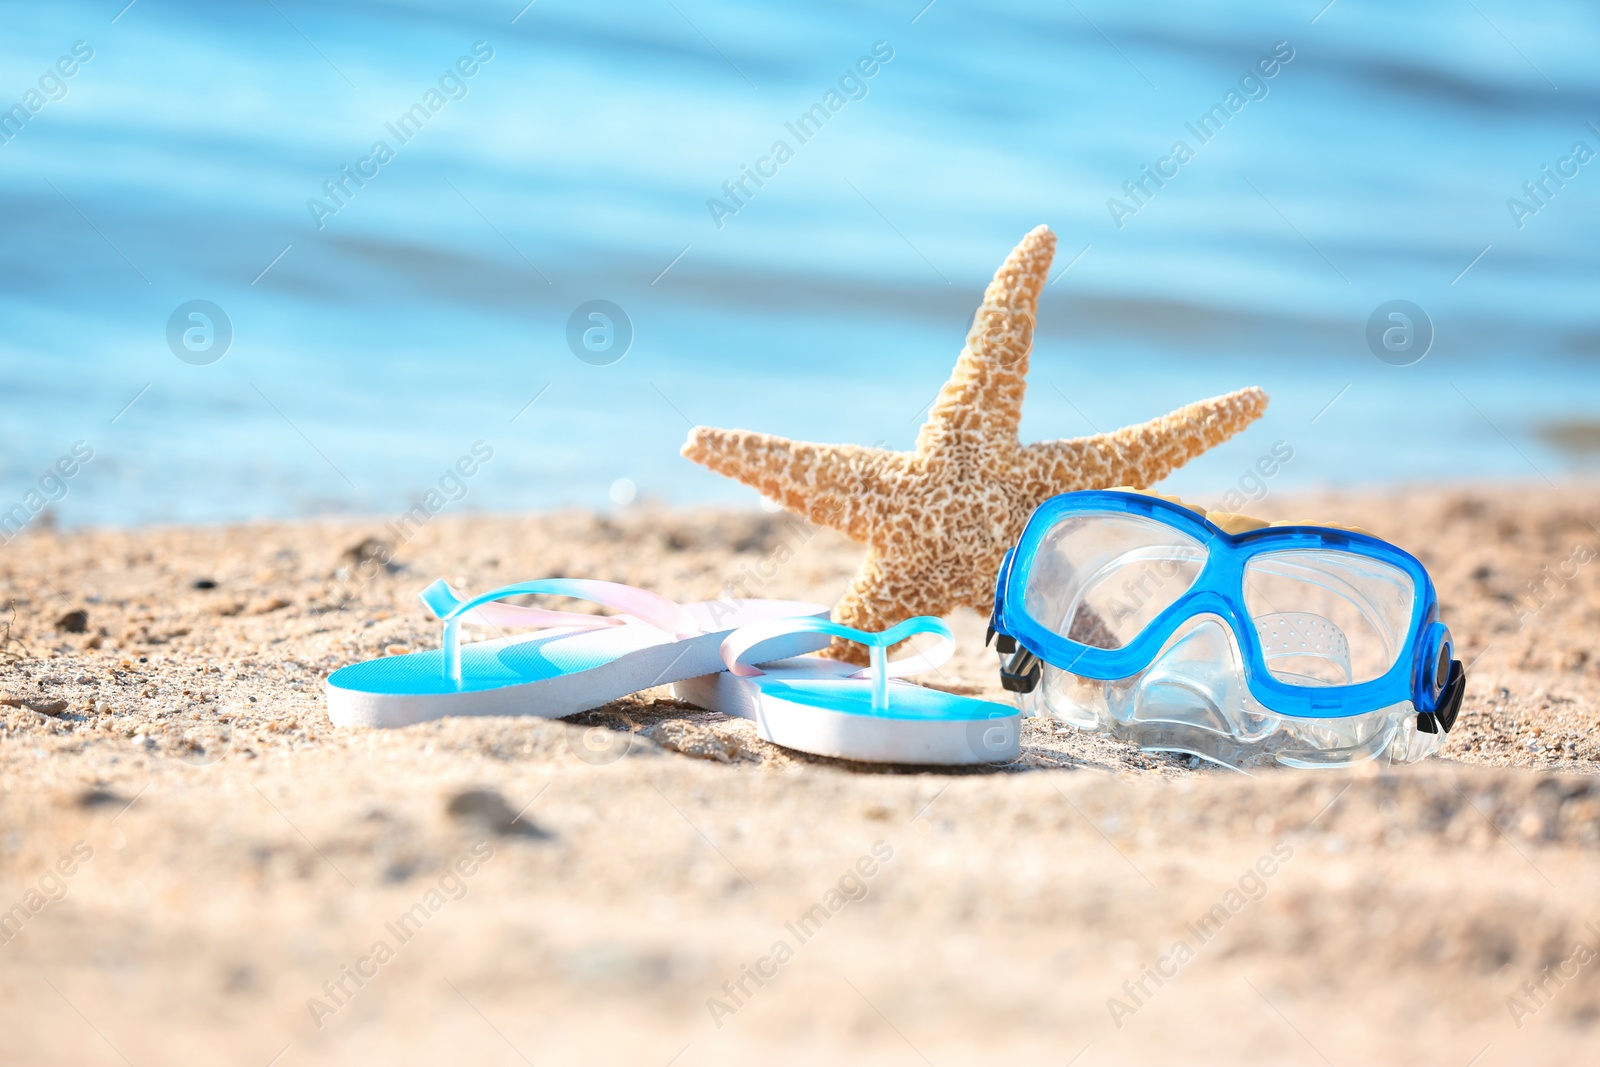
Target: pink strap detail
x=453 y=609
x=517 y=616
x=658 y=611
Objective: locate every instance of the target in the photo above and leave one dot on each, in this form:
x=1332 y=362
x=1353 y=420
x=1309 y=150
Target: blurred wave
x=372 y=343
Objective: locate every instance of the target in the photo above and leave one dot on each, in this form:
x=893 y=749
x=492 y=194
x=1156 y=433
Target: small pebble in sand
x=204 y=583
x=693 y=739
x=73 y=622
x=97 y=798
x=45 y=706
x=489 y=810
x=365 y=549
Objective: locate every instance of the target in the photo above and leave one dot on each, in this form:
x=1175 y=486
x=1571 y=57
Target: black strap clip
x=1004 y=643
x=1020 y=673
x=1444 y=716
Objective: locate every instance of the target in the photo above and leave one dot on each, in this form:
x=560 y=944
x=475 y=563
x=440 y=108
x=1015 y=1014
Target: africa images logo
x=51 y=86
x=452 y=85
x=1205 y=128
x=852 y=85
x=199 y=332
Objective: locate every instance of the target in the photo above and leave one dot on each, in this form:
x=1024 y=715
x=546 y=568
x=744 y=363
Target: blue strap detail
x=746 y=638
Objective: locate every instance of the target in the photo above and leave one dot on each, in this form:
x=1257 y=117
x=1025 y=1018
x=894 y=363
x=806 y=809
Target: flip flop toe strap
x=454 y=609
x=738 y=646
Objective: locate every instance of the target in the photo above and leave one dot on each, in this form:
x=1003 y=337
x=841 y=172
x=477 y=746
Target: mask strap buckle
x=1021 y=672
x=1443 y=716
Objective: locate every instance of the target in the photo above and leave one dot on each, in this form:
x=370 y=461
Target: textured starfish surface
x=937 y=520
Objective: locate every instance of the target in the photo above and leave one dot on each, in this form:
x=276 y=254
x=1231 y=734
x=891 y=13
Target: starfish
x=937 y=520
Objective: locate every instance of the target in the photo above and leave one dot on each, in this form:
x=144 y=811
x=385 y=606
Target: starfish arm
x=830 y=485
x=983 y=398
x=1136 y=455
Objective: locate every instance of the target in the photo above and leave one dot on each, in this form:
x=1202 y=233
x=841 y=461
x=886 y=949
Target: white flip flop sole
x=552 y=673
x=812 y=705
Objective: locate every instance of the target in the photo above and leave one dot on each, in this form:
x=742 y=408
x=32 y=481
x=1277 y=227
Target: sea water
x=398 y=216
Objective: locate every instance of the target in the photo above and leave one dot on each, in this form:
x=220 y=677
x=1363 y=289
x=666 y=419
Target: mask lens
x=1100 y=578
x=1328 y=618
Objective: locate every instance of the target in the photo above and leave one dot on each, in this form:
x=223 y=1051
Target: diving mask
x=1224 y=637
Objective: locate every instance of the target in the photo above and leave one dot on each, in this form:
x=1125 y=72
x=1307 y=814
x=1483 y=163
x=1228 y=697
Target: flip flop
x=829 y=708
x=576 y=663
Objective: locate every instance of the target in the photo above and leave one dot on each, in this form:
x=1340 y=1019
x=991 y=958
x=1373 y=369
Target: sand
x=201 y=861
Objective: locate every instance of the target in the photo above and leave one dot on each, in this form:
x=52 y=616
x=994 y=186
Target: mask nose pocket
x=1198 y=682
x=1304 y=649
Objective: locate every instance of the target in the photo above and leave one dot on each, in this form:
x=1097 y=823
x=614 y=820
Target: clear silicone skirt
x=1193 y=699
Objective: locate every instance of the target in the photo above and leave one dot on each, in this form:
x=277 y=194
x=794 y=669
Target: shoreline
x=1214 y=499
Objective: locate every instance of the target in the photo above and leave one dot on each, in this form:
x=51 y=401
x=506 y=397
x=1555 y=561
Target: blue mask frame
x=1425 y=671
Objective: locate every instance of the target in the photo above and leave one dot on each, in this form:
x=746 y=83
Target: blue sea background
x=432 y=308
